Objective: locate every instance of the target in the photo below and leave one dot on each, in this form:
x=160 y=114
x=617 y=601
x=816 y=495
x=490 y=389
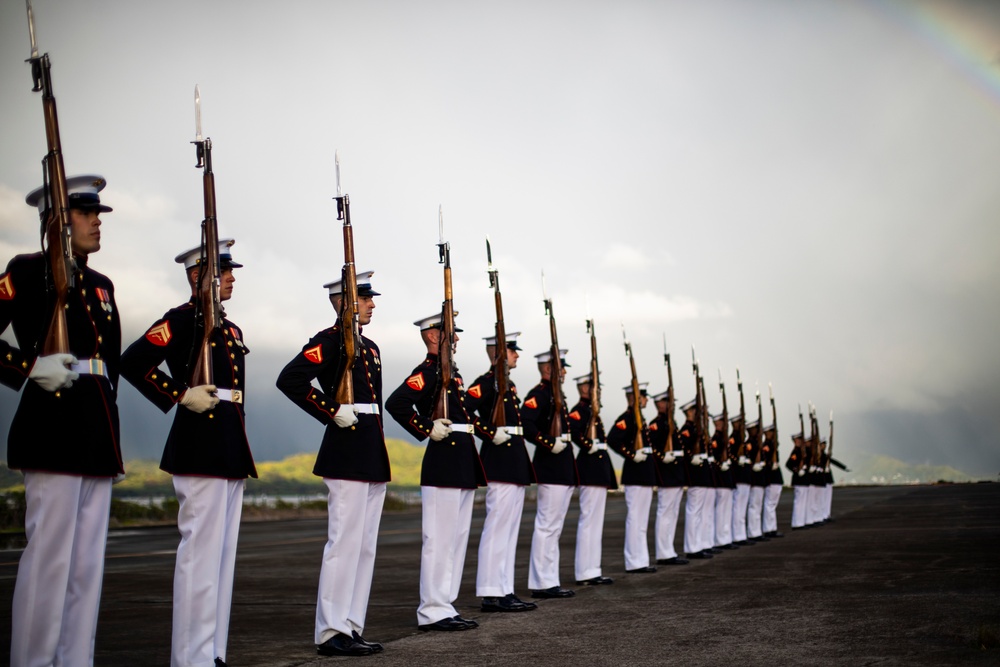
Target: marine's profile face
x=85 y=231
x=366 y=305
x=512 y=357
x=226 y=288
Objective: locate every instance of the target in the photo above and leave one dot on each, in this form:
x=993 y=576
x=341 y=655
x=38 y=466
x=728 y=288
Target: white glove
x=775 y=466
x=743 y=460
x=441 y=429
x=725 y=465
x=345 y=416
x=501 y=437
x=639 y=456
x=593 y=448
x=559 y=446
x=757 y=467
x=802 y=472
x=200 y=399
x=668 y=457
x=697 y=459
x=52 y=372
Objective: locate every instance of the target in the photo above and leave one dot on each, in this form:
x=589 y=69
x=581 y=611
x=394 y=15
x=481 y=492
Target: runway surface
x=903 y=576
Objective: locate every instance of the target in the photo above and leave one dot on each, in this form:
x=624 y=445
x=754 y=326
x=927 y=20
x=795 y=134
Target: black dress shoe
x=553 y=592
x=374 y=646
x=774 y=534
x=468 y=621
x=445 y=625
x=714 y=550
x=596 y=581
x=642 y=570
x=505 y=604
x=219 y=662
x=729 y=546
x=341 y=644
x=676 y=560
x=514 y=598
x=700 y=555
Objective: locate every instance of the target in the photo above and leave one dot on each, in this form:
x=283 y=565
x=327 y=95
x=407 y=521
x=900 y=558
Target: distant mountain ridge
x=293 y=474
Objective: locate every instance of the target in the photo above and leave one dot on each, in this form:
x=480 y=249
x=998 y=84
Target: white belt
x=462 y=428
x=566 y=437
x=600 y=445
x=677 y=453
x=513 y=430
x=646 y=450
x=743 y=461
x=775 y=466
x=231 y=395
x=366 y=409
x=90 y=367
x=710 y=459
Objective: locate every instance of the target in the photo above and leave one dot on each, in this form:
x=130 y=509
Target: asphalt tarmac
x=903 y=576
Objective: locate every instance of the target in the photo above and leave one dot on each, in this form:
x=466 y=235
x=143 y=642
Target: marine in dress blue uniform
x=738 y=451
x=597 y=476
x=64 y=437
x=208 y=454
x=354 y=465
x=758 y=480
x=555 y=469
x=798 y=466
x=449 y=475
x=774 y=481
x=673 y=478
x=697 y=538
x=508 y=472
x=639 y=477
x=724 y=484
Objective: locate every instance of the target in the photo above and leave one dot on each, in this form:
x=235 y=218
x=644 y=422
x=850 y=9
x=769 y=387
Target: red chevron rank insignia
x=654 y=427
x=159 y=335
x=531 y=403
x=6 y=288
x=314 y=354
x=415 y=382
x=621 y=425
x=475 y=391
x=574 y=415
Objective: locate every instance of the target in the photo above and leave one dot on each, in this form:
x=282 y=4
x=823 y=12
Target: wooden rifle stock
x=741 y=450
x=446 y=353
x=759 y=438
x=501 y=370
x=671 y=404
x=829 y=449
x=595 y=385
x=636 y=408
x=350 y=329
x=56 y=226
x=555 y=366
x=207 y=300
x=724 y=442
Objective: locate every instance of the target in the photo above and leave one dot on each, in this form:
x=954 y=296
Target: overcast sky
x=806 y=190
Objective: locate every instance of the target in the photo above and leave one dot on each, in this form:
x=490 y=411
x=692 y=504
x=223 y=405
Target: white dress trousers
x=668 y=509
x=498 y=544
x=590 y=532
x=723 y=516
x=694 y=519
x=829 y=501
x=447 y=516
x=815 y=512
x=58 y=589
x=800 y=506
x=543 y=566
x=708 y=519
x=772 y=493
x=741 y=499
x=638 y=500
x=354 y=510
x=208 y=519
x=754 y=510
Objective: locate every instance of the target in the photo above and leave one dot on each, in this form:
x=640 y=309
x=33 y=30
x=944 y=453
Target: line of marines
x=69 y=465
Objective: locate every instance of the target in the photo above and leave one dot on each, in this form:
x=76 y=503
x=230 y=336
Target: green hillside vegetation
x=877 y=469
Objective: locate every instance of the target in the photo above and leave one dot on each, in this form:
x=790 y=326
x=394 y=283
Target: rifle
x=774 y=420
x=446 y=355
x=595 y=385
x=636 y=408
x=802 y=446
x=741 y=433
x=555 y=364
x=208 y=307
x=813 y=436
x=699 y=407
x=350 y=329
x=56 y=229
x=759 y=438
x=724 y=442
x=829 y=449
x=501 y=370
x=671 y=424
